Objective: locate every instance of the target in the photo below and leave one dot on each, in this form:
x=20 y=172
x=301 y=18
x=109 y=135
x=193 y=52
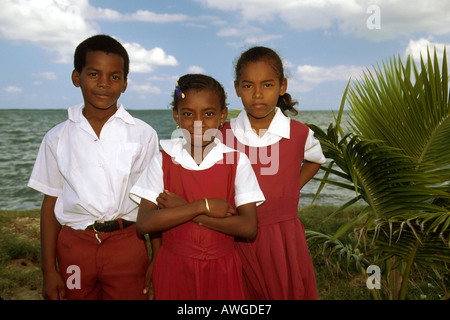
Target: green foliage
x=395 y=155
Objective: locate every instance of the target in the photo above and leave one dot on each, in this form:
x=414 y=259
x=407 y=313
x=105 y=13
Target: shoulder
x=298 y=124
x=136 y=123
x=144 y=127
x=57 y=132
x=298 y=127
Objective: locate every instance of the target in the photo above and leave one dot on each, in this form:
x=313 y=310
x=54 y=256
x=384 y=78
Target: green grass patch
x=21 y=277
x=20 y=252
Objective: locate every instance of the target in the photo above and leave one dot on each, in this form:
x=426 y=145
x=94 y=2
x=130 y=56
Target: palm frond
x=397 y=159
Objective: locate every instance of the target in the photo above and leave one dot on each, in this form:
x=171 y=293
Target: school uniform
x=195 y=262
x=91 y=176
x=276 y=263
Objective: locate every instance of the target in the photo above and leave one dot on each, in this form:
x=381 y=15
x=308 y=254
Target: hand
x=54 y=287
x=169 y=199
x=219 y=208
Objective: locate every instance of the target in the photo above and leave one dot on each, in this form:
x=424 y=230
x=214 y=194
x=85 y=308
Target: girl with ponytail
x=276 y=263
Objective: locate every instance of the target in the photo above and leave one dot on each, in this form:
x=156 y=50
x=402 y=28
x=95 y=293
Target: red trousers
x=110 y=265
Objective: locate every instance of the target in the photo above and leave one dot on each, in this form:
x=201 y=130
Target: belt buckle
x=93 y=225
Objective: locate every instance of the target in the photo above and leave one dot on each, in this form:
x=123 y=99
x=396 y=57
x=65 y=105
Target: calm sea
x=21 y=132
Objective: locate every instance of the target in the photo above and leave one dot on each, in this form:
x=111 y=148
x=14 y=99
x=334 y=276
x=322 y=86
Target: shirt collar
x=76 y=114
x=175 y=149
x=279 y=126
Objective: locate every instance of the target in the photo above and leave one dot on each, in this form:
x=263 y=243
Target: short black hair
x=104 y=43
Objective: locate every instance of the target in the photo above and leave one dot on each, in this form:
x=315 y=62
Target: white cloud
x=140 y=15
x=308 y=77
x=143 y=60
x=144 y=88
x=195 y=69
x=59 y=26
x=250 y=35
x=55 y=26
x=13 y=89
x=148 y=16
x=416 y=48
x=397 y=18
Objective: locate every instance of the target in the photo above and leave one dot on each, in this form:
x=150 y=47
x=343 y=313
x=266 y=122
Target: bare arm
x=54 y=287
x=150 y=219
x=220 y=218
x=243 y=225
x=308 y=171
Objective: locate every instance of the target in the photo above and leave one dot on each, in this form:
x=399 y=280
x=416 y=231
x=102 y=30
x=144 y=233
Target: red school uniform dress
x=195 y=262
x=277 y=264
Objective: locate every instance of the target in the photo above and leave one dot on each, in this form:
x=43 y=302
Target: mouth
x=200 y=137
x=102 y=96
x=258 y=106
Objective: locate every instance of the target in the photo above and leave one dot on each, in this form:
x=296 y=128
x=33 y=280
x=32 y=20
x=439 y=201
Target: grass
x=332 y=284
x=342 y=283
x=20 y=275
x=21 y=278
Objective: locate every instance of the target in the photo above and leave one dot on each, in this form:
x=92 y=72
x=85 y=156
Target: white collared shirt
x=279 y=128
x=151 y=182
x=90 y=175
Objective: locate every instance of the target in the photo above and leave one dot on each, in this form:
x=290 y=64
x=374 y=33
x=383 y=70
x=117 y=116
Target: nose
x=198 y=123
x=103 y=81
x=257 y=92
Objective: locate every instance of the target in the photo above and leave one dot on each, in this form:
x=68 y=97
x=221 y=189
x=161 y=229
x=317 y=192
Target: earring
x=177 y=127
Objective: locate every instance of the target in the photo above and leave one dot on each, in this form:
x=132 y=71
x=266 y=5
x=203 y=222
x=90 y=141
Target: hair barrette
x=178 y=91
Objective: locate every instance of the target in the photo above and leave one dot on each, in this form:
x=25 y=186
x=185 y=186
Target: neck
x=98 y=117
x=198 y=153
x=260 y=125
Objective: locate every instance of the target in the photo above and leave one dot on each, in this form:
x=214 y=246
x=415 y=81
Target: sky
x=323 y=44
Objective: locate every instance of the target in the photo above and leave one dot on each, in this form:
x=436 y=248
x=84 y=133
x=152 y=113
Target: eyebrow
x=205 y=109
x=97 y=70
x=268 y=80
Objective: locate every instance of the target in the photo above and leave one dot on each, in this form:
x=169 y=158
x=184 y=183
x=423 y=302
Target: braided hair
x=255 y=54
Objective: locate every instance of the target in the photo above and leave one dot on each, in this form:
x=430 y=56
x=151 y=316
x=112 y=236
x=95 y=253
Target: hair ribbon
x=178 y=91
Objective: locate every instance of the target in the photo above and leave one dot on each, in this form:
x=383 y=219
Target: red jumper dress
x=277 y=264
x=195 y=262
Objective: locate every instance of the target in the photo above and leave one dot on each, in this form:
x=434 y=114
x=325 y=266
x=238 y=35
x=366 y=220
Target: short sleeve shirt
x=151 y=183
x=279 y=128
x=91 y=176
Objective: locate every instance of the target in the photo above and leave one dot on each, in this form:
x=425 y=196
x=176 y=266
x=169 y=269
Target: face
x=102 y=80
x=200 y=115
x=259 y=88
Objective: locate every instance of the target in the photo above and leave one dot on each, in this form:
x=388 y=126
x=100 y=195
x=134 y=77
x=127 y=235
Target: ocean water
x=21 y=132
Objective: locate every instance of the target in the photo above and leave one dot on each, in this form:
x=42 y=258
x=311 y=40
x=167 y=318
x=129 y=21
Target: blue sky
x=323 y=43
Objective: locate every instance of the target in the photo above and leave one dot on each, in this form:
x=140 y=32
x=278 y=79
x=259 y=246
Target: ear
x=223 y=116
x=283 y=87
x=175 y=116
x=76 y=78
x=125 y=84
x=236 y=87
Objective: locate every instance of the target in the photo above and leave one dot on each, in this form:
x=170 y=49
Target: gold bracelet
x=207 y=206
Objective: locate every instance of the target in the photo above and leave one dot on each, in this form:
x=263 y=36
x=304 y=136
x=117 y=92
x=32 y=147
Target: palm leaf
x=398 y=161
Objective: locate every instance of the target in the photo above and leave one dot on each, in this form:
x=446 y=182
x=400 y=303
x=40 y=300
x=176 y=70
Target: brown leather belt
x=109 y=226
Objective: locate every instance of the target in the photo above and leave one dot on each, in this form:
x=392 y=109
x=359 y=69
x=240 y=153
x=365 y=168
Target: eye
x=187 y=114
x=115 y=77
x=209 y=114
x=92 y=74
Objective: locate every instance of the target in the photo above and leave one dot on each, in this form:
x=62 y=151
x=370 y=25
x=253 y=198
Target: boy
x=86 y=167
